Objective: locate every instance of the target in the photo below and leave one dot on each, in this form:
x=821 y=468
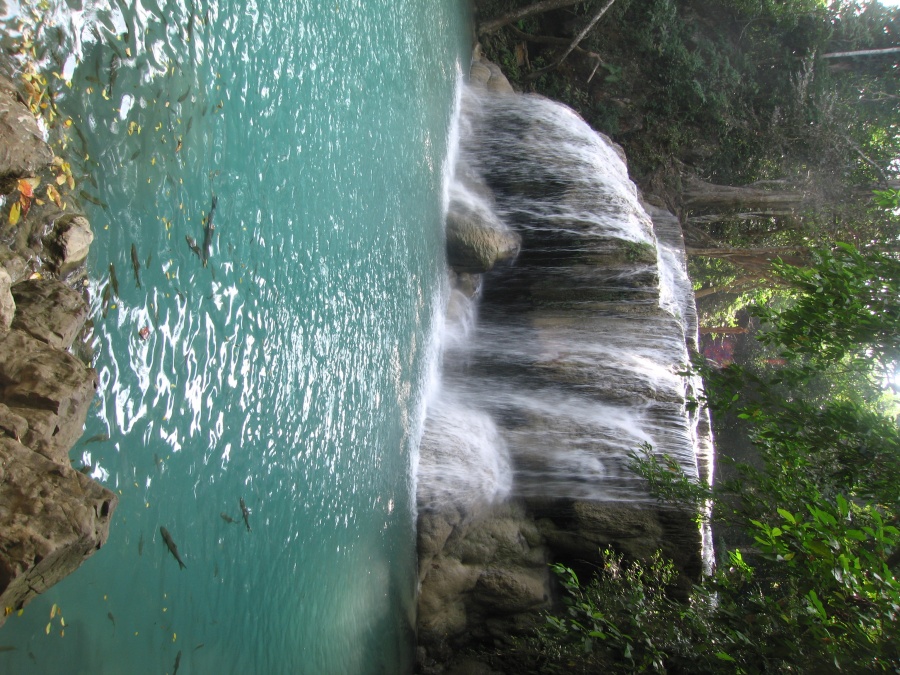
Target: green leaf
x=788 y=516
x=817 y=604
x=724 y=657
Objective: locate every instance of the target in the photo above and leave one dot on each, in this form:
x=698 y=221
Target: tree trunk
x=522 y=12
x=701 y=196
x=724 y=330
x=861 y=52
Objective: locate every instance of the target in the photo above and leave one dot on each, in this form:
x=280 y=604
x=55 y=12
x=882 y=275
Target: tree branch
x=536 y=8
x=571 y=47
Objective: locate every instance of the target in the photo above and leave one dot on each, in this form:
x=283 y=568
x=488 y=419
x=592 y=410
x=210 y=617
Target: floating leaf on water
x=53 y=610
x=47 y=629
x=14 y=213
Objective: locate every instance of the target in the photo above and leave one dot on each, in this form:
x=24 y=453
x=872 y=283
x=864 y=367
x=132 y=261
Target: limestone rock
x=51 y=519
x=11 y=424
x=22 y=147
x=49 y=311
x=7 y=303
x=15 y=265
x=68 y=243
x=513 y=590
x=476 y=240
x=51 y=389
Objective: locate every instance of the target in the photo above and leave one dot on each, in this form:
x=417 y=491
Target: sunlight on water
x=276 y=360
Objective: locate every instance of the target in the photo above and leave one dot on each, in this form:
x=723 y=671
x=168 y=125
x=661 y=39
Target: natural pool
x=286 y=363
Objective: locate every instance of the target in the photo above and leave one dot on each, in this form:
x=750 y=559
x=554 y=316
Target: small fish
x=93 y=200
x=190 y=123
x=208 y=229
x=228 y=519
x=106 y=297
x=114 y=64
x=183 y=97
x=170 y=544
x=200 y=646
x=246 y=513
x=177 y=662
x=149 y=258
x=109 y=615
x=113 y=280
x=136 y=264
x=135 y=155
x=6 y=648
x=192 y=244
x=141 y=544
x=99 y=438
x=215 y=569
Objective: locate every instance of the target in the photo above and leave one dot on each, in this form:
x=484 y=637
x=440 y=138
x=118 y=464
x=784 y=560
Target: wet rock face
x=48 y=387
x=52 y=518
x=22 y=148
x=49 y=311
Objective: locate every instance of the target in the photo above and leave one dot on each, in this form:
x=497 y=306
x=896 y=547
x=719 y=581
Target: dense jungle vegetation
x=773 y=130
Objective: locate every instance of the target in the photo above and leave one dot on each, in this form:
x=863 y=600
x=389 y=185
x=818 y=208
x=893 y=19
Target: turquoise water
x=289 y=371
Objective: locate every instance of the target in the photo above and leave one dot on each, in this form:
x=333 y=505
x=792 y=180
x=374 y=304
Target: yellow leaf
x=71 y=182
x=47 y=629
x=14 y=213
x=53 y=610
x=60 y=179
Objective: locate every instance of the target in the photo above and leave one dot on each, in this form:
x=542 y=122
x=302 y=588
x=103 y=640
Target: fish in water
x=136 y=264
x=228 y=519
x=208 y=230
x=141 y=544
x=99 y=438
x=192 y=244
x=6 y=648
x=113 y=280
x=93 y=200
x=170 y=544
x=114 y=64
x=106 y=296
x=246 y=513
x=177 y=662
x=109 y=615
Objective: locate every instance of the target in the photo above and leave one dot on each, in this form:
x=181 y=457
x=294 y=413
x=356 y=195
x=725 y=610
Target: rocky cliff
x=544 y=283
x=52 y=517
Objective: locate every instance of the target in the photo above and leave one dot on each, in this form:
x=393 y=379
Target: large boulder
x=50 y=388
x=68 y=244
x=52 y=518
x=476 y=239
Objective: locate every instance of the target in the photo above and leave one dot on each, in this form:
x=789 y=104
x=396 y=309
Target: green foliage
x=845 y=304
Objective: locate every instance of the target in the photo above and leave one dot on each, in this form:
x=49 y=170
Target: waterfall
x=564 y=356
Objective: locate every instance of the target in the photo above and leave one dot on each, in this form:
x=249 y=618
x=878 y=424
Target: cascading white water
x=572 y=361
